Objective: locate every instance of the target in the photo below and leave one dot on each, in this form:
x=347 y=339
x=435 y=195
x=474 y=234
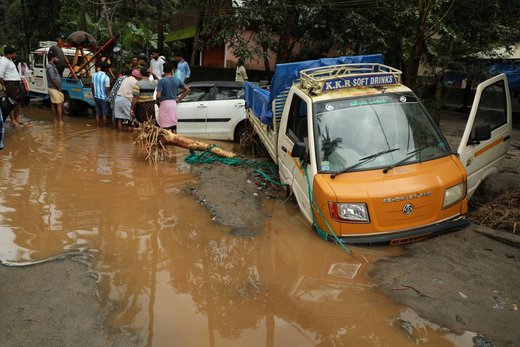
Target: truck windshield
x=397 y=125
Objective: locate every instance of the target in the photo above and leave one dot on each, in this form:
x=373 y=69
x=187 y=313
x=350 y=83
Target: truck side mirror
x=482 y=132
x=299 y=150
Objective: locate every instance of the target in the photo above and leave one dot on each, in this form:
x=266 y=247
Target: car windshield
x=375 y=132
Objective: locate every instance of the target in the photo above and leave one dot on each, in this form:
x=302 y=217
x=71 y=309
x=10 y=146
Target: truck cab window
x=38 y=60
x=297 y=121
x=492 y=107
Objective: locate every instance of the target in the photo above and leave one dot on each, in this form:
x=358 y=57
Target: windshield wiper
x=409 y=155
x=363 y=161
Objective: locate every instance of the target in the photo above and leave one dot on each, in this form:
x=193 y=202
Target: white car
x=213 y=110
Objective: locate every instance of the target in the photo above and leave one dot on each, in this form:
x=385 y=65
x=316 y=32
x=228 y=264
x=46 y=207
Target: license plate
x=409 y=239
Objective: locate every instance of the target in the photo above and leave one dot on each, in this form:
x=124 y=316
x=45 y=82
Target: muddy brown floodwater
x=167 y=273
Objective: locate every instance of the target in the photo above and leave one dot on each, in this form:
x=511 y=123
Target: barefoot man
x=54 y=85
x=10 y=79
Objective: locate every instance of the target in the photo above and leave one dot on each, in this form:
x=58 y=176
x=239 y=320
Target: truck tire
x=69 y=106
x=61 y=63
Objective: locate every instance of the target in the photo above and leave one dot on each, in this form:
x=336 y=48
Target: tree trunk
x=170 y=138
x=160 y=27
x=467 y=95
x=284 y=53
x=82 y=16
x=419 y=45
x=267 y=65
x=198 y=30
x=438 y=97
x=25 y=29
x=153 y=140
x=107 y=18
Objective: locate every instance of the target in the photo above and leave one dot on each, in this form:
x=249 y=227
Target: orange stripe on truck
x=488 y=147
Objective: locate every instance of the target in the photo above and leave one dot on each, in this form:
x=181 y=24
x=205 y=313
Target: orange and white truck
x=362 y=155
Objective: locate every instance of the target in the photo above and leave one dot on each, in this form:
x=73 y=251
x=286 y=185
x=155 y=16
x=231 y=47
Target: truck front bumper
x=407 y=236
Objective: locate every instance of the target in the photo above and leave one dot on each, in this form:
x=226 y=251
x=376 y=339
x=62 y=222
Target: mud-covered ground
x=53 y=304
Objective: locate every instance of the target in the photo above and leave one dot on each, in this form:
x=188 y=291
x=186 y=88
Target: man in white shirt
x=156 y=63
x=10 y=79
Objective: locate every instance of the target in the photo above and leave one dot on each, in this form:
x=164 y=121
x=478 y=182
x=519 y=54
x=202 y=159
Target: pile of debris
x=502 y=212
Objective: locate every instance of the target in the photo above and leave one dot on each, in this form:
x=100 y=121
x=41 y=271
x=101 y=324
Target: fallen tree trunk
x=153 y=140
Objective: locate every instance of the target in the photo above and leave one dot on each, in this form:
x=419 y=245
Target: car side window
x=198 y=94
x=297 y=121
x=227 y=93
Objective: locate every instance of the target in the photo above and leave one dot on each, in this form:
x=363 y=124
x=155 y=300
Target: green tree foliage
x=406 y=32
x=134 y=23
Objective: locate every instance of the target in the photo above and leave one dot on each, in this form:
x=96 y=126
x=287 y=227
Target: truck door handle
x=284 y=149
x=239 y=105
x=201 y=106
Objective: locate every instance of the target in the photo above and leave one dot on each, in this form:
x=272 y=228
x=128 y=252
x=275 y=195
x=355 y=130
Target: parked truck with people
x=363 y=157
x=77 y=63
x=77 y=90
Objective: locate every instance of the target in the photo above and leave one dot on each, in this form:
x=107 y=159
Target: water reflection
x=166 y=271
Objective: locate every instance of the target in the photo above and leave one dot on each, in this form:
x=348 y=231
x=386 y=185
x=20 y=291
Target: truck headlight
x=349 y=212
x=453 y=195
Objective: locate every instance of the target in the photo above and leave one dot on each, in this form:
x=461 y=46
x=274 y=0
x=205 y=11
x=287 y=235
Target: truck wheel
x=69 y=106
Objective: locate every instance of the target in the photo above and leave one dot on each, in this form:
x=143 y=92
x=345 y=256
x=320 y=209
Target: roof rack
x=334 y=77
x=46 y=44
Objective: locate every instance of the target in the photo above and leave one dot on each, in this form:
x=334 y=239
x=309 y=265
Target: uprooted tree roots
x=153 y=140
x=502 y=213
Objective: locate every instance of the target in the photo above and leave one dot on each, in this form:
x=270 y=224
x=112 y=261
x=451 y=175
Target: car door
x=192 y=111
x=295 y=130
x=487 y=135
x=225 y=112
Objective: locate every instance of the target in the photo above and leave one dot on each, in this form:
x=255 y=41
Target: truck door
x=487 y=136
x=38 y=79
x=295 y=130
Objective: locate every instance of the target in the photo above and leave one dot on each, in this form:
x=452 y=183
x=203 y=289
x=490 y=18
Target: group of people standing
x=132 y=95
x=12 y=84
x=130 y=98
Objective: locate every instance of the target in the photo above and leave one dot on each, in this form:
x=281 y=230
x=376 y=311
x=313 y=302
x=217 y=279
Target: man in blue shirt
x=182 y=67
x=54 y=87
x=168 y=98
x=101 y=89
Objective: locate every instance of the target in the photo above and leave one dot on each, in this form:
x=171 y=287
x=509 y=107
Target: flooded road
x=167 y=272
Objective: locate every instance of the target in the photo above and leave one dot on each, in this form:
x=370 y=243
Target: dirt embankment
x=53 y=304
x=464 y=281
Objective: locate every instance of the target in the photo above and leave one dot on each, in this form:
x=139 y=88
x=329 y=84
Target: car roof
x=217 y=83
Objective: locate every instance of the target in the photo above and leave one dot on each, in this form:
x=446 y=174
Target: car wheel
x=240 y=129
